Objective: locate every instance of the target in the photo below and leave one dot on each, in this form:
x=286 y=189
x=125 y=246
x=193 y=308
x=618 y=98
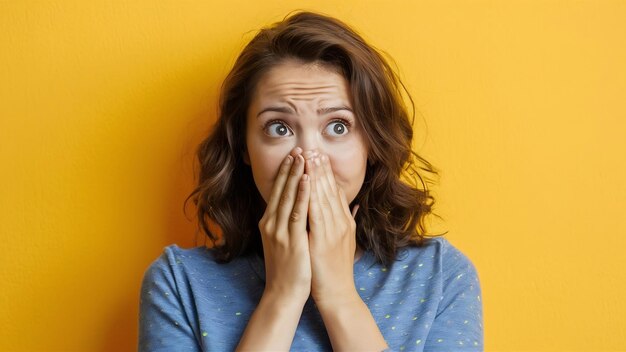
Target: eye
x=338 y=127
x=276 y=128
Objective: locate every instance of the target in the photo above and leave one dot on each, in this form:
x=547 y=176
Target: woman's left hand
x=332 y=236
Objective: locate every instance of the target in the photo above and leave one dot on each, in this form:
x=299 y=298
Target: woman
x=308 y=174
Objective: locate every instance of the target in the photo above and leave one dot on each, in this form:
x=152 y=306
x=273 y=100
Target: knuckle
x=280 y=242
x=266 y=226
x=274 y=242
x=284 y=199
x=295 y=216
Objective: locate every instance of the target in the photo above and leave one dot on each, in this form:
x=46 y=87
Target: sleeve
x=458 y=323
x=163 y=322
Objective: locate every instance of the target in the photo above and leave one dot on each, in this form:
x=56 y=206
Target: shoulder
x=173 y=255
x=176 y=263
x=450 y=255
x=440 y=258
x=440 y=248
x=456 y=272
x=455 y=264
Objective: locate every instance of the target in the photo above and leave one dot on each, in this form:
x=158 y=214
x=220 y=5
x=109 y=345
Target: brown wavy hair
x=392 y=210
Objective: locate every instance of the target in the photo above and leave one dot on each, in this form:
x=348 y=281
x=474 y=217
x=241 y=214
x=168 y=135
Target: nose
x=309 y=143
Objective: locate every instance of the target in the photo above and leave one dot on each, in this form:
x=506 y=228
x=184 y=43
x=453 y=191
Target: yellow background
x=521 y=104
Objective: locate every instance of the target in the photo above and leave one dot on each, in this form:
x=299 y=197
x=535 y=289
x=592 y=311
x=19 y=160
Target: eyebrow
x=287 y=110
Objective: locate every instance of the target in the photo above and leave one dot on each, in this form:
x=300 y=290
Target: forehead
x=296 y=80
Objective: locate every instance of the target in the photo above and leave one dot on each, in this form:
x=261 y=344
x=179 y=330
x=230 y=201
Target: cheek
x=264 y=174
x=260 y=166
x=349 y=167
x=265 y=166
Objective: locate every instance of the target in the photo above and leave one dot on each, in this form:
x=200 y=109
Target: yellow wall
x=102 y=104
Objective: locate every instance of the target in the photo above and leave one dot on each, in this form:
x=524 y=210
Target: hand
x=283 y=232
x=332 y=239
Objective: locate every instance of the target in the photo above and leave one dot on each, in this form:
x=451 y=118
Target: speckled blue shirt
x=429 y=299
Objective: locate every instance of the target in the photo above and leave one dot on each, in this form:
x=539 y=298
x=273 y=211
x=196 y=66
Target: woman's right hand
x=284 y=233
x=287 y=262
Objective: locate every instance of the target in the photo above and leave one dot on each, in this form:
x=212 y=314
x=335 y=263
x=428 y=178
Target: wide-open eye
x=277 y=129
x=337 y=128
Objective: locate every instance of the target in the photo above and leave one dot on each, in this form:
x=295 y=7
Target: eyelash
x=343 y=121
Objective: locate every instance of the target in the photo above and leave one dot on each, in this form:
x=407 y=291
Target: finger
x=295 y=151
x=315 y=216
x=344 y=203
x=330 y=175
x=329 y=197
x=288 y=198
x=309 y=154
x=279 y=184
x=332 y=189
x=298 y=218
x=323 y=198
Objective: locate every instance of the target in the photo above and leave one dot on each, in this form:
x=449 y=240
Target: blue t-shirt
x=429 y=299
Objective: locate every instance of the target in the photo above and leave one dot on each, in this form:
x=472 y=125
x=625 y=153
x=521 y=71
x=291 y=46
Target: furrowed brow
x=324 y=111
x=321 y=111
x=282 y=109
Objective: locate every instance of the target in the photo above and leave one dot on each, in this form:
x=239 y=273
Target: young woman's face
x=306 y=106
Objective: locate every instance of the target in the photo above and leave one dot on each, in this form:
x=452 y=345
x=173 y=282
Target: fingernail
x=289 y=159
x=317 y=161
x=298 y=150
x=325 y=159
